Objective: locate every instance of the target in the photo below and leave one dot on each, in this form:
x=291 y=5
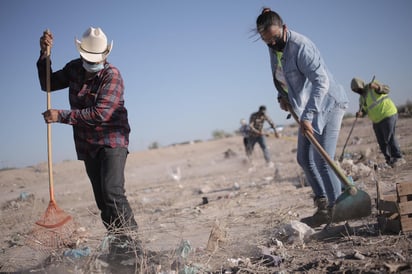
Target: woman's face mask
x=279 y=43
x=93 y=67
x=274 y=38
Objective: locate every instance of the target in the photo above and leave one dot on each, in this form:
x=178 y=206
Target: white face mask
x=93 y=68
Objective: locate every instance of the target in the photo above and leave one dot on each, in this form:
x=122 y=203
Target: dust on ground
x=181 y=194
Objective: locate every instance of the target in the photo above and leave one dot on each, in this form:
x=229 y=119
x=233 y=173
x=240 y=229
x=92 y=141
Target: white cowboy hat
x=94 y=47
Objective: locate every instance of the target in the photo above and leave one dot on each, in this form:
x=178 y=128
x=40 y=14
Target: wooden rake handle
x=347 y=140
x=325 y=155
x=49 y=144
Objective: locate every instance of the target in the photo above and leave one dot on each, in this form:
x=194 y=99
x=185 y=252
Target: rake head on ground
x=54 y=230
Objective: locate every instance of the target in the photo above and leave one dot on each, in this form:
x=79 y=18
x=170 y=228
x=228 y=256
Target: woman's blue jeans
x=319 y=174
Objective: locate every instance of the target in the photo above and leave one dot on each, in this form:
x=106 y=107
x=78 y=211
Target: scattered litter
x=175 y=173
x=279 y=243
x=129 y=262
x=204 y=189
x=15 y=240
x=230 y=195
x=184 y=249
x=179 y=264
x=77 y=253
x=189 y=270
x=358 y=256
x=236 y=186
x=234 y=262
x=24 y=196
x=298 y=232
x=99 y=264
x=207 y=189
x=106 y=242
x=358 y=169
x=347 y=155
x=340 y=254
x=268 y=259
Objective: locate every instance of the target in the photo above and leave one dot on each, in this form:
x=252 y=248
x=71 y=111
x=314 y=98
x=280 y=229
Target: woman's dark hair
x=266 y=19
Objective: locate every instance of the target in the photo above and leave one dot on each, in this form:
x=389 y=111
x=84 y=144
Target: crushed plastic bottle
x=77 y=253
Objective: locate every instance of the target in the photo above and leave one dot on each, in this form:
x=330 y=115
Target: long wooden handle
x=325 y=155
x=49 y=145
x=347 y=139
x=378 y=190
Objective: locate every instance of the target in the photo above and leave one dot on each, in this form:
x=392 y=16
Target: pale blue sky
x=190 y=67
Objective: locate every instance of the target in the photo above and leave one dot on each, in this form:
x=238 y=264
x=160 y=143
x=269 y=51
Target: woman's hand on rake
x=306 y=127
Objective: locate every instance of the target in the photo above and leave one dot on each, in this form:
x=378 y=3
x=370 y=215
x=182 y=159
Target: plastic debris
x=175 y=173
x=189 y=270
x=340 y=254
x=77 y=253
x=106 y=242
x=184 y=249
x=358 y=256
x=23 y=196
x=269 y=260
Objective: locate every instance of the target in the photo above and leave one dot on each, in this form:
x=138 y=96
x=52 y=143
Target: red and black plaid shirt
x=97 y=114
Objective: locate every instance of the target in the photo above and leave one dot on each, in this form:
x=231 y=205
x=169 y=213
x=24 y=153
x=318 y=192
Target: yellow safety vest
x=378 y=106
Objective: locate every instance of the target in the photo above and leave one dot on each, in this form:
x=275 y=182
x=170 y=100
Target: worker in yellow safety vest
x=374 y=101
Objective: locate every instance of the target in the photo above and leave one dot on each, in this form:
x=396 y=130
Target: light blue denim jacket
x=312 y=90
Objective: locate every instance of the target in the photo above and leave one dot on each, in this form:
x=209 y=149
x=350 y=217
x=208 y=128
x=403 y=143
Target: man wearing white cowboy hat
x=99 y=120
x=93 y=47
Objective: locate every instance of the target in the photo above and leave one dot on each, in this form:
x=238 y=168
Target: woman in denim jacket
x=305 y=85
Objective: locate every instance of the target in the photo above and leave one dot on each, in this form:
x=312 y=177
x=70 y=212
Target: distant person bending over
x=100 y=126
x=256 y=134
x=306 y=86
x=244 y=130
x=374 y=101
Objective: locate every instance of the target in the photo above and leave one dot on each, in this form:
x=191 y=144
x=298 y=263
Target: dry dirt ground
x=180 y=194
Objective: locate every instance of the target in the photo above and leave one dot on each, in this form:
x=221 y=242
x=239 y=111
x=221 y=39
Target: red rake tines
x=54 y=217
x=54 y=230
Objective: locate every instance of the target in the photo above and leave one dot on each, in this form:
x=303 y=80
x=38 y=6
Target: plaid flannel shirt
x=97 y=114
x=256 y=121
